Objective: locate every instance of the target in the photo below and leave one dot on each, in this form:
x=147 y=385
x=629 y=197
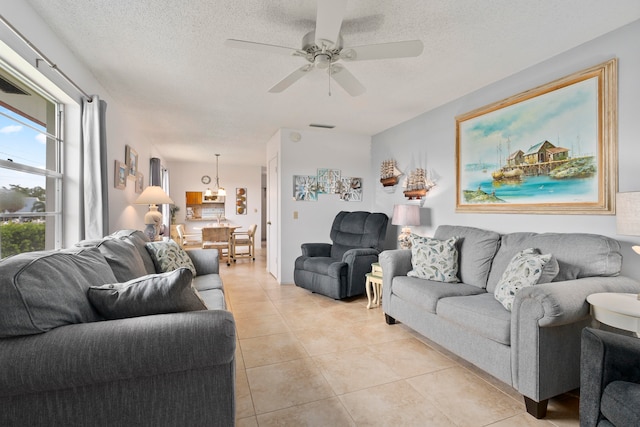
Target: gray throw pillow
x=43 y=290
x=123 y=258
x=434 y=259
x=169 y=256
x=152 y=294
x=525 y=269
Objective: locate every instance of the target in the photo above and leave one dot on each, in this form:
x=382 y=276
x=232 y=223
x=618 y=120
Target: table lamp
x=628 y=215
x=405 y=216
x=153 y=196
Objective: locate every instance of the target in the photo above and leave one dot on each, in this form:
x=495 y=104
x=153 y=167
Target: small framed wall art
x=131 y=157
x=120 y=175
x=139 y=182
x=305 y=188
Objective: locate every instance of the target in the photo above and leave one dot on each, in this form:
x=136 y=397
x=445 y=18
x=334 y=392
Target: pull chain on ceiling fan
x=323 y=49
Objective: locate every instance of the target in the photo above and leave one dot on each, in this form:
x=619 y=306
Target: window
x=30 y=167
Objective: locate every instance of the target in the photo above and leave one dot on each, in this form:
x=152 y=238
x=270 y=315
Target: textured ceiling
x=166 y=64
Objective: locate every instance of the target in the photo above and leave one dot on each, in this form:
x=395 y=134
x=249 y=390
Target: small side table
x=373 y=285
x=619 y=310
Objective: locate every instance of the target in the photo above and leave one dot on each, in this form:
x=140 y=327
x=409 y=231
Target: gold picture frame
x=548 y=150
x=139 y=182
x=120 y=175
x=131 y=157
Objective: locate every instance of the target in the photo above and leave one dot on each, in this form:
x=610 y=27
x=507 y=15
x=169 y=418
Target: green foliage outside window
x=21 y=237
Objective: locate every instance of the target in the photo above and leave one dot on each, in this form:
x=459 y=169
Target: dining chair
x=242 y=239
x=187 y=239
x=218 y=238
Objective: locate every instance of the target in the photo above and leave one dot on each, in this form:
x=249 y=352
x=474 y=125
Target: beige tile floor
x=307 y=360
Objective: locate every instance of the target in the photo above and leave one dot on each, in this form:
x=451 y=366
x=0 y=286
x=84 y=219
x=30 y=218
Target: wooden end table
x=373 y=285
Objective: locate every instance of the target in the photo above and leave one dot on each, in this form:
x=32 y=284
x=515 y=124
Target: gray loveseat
x=535 y=347
x=61 y=364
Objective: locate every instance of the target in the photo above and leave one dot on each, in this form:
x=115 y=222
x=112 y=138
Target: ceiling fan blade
x=329 y=16
x=346 y=80
x=291 y=78
x=382 y=51
x=262 y=47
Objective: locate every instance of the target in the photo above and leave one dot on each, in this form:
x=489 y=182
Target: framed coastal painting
x=549 y=150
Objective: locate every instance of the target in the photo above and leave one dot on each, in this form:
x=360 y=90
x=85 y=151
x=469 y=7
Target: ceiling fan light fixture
x=323 y=60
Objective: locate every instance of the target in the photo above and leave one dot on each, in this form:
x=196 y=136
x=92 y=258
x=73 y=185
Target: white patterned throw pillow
x=524 y=269
x=434 y=259
x=168 y=256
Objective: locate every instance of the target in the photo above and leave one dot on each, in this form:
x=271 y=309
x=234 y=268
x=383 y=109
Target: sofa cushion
x=214 y=299
x=169 y=256
x=139 y=240
x=620 y=403
x=40 y=291
x=434 y=259
x=525 y=269
x=321 y=265
x=481 y=314
x=578 y=255
x=476 y=249
x=206 y=282
x=169 y=292
x=426 y=293
x=123 y=258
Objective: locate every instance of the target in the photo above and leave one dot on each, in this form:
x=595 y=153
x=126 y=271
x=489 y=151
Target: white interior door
x=273 y=236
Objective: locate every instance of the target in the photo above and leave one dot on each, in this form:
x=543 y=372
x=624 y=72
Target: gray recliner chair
x=609 y=379
x=338 y=270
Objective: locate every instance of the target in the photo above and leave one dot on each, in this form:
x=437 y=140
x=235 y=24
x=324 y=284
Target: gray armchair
x=338 y=270
x=609 y=379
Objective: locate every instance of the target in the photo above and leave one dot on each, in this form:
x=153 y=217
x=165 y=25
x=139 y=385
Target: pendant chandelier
x=217 y=189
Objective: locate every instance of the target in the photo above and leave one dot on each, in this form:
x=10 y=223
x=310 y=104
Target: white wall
x=123 y=213
x=430 y=138
x=317 y=149
x=186 y=176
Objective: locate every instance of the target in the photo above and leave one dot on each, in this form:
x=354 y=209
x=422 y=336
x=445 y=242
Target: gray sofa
x=535 y=347
x=61 y=364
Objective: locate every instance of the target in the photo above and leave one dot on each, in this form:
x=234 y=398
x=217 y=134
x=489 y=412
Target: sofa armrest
x=350 y=255
x=205 y=261
x=113 y=350
x=395 y=262
x=316 y=249
x=547 y=321
x=561 y=303
x=605 y=357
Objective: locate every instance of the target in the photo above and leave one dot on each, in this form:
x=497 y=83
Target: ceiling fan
x=323 y=48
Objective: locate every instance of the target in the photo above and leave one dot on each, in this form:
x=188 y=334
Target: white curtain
x=166 y=209
x=94 y=192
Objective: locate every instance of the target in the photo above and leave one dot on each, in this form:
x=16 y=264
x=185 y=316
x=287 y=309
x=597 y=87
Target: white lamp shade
x=628 y=213
x=406 y=215
x=153 y=195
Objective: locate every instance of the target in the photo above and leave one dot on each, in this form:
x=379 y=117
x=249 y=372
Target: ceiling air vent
x=319 y=125
x=8 y=87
